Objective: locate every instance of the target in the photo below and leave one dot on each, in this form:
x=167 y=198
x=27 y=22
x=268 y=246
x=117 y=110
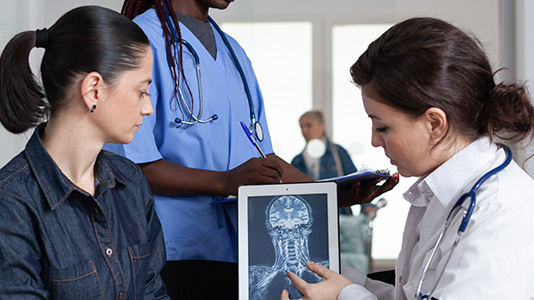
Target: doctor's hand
x=364 y=192
x=253 y=171
x=327 y=289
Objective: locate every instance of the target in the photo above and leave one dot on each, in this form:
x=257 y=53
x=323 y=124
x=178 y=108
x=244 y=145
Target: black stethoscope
x=457 y=208
x=256 y=127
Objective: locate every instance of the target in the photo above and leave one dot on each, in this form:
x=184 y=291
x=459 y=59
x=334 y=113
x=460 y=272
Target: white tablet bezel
x=245 y=194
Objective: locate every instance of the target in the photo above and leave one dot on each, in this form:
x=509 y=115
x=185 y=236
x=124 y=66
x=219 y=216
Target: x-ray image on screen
x=284 y=233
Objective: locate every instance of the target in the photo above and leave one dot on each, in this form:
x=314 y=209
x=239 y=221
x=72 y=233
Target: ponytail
x=509 y=114
x=85 y=39
x=22 y=104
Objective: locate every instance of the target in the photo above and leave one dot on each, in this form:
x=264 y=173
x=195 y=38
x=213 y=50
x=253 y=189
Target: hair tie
x=41 y=38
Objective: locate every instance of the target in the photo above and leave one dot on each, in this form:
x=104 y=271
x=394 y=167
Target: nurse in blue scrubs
x=193 y=150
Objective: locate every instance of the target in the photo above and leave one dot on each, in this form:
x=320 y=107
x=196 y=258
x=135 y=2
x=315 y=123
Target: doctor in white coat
x=436 y=111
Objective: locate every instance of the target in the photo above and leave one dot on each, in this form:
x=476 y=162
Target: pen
x=251 y=138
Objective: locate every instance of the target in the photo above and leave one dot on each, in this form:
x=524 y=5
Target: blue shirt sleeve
x=20 y=266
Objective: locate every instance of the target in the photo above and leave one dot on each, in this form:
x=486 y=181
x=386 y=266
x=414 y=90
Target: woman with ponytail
x=77 y=222
x=438 y=114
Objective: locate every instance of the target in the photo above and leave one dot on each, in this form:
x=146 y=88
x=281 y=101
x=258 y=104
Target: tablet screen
x=280 y=228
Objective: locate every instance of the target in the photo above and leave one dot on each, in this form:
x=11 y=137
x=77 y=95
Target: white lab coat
x=495 y=257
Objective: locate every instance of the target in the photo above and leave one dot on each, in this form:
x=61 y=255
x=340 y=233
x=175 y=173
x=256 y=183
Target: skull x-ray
x=284 y=233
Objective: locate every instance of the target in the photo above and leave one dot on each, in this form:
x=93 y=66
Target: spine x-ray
x=284 y=233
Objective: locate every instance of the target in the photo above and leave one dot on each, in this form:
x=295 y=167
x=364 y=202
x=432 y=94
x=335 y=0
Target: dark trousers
x=384 y=276
x=200 y=279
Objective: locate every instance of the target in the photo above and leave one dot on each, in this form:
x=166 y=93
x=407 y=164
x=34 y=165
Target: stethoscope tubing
x=199 y=83
x=463 y=226
x=237 y=64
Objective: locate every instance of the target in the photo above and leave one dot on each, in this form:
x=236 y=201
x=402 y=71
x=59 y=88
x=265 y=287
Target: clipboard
x=364 y=174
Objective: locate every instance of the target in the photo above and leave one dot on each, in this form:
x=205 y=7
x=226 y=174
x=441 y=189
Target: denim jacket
x=59 y=242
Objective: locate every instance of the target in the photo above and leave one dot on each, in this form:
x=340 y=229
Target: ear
x=437 y=123
x=91 y=89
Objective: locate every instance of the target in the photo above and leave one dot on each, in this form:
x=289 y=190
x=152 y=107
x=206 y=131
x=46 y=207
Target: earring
x=92 y=110
x=437 y=132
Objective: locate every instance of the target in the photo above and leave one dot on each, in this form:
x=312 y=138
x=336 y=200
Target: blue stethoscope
x=463 y=225
x=255 y=127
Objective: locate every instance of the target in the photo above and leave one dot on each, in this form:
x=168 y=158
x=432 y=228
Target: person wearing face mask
x=438 y=113
x=320 y=159
x=326 y=159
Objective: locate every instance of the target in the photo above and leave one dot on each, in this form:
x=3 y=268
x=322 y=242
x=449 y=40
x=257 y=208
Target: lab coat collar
x=445 y=183
x=415 y=194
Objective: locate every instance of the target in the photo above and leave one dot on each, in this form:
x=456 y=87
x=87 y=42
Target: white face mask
x=316 y=148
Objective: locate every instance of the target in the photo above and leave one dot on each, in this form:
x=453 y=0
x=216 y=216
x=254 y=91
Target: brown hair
x=425 y=62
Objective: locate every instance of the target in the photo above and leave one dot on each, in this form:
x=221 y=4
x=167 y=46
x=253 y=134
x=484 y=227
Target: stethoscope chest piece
x=258 y=130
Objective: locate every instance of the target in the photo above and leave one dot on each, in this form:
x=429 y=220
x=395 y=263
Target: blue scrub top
x=192 y=228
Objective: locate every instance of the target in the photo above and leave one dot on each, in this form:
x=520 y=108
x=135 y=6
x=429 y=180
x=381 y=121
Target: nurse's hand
x=364 y=192
x=329 y=288
x=253 y=171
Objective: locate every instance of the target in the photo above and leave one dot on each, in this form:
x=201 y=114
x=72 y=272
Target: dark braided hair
x=133 y=8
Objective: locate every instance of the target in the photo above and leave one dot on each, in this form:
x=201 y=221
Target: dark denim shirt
x=59 y=242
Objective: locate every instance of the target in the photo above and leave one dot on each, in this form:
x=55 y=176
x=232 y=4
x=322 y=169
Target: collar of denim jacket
x=55 y=185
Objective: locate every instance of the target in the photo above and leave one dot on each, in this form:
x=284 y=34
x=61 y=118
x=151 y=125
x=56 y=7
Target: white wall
x=12 y=20
x=525 y=69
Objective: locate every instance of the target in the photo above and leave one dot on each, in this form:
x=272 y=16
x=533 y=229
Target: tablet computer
x=280 y=227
